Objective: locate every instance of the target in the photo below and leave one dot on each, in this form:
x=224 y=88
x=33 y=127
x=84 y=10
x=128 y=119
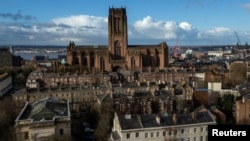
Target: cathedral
x=118 y=54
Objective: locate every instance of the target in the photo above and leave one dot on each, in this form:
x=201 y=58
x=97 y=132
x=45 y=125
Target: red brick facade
x=118 y=54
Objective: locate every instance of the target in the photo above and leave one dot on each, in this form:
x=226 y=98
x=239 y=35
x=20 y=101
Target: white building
x=44 y=120
x=215 y=53
x=200 y=75
x=217 y=86
x=152 y=127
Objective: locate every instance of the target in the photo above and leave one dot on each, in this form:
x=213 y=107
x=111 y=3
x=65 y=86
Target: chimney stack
x=158 y=119
x=127 y=116
x=193 y=115
x=243 y=99
x=175 y=118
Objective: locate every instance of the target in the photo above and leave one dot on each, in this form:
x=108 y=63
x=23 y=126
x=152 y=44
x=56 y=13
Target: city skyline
x=181 y=22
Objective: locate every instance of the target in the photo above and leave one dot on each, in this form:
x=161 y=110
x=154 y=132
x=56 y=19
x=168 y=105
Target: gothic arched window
x=132 y=63
x=84 y=61
x=102 y=64
x=92 y=59
x=117 y=50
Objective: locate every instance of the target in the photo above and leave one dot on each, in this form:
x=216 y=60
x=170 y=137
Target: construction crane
x=237 y=37
x=177 y=50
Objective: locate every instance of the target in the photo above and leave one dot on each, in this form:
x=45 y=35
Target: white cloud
x=85 y=29
x=247 y=6
x=147 y=23
x=216 y=32
x=170 y=25
x=164 y=30
x=82 y=21
x=31 y=37
x=77 y=25
x=185 y=26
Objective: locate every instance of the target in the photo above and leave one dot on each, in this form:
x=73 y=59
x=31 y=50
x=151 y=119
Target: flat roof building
x=5 y=84
x=44 y=119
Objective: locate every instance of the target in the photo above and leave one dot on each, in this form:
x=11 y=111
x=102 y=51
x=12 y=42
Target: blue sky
x=178 y=22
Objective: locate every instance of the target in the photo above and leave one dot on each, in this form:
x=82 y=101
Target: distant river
x=29 y=56
x=28 y=53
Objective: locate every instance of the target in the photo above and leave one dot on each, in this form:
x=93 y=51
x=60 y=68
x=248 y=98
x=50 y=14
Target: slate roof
x=130 y=123
x=143 y=94
x=150 y=120
x=115 y=135
x=45 y=109
x=182 y=119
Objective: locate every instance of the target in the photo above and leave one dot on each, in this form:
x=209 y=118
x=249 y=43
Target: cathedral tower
x=117 y=33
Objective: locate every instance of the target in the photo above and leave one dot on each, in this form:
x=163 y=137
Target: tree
x=225 y=104
x=103 y=127
x=7 y=119
x=19 y=75
x=20 y=79
x=238 y=73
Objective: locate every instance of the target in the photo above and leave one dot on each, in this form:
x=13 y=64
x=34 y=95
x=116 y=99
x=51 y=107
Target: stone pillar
x=79 y=56
x=88 y=60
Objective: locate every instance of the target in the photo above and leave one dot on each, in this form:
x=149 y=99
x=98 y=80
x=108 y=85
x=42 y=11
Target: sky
x=176 y=22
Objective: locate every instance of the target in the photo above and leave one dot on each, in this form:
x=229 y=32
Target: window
x=146 y=135
x=182 y=131
x=152 y=134
x=128 y=135
x=102 y=63
x=201 y=129
x=61 y=132
x=169 y=133
x=201 y=138
x=194 y=130
x=157 y=134
x=132 y=63
x=175 y=132
x=194 y=138
x=137 y=134
x=164 y=133
x=26 y=135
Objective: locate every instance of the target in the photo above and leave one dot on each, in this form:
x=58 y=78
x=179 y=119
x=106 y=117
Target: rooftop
x=154 y=120
x=45 y=109
x=130 y=122
x=3 y=76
